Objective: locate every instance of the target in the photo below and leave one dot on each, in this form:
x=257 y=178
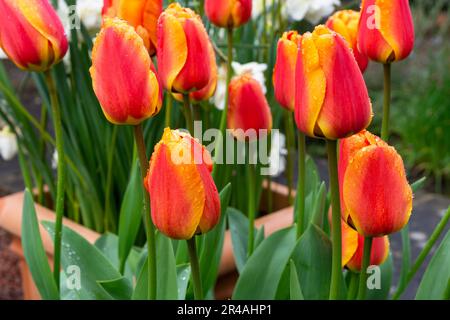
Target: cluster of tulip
x=318 y=77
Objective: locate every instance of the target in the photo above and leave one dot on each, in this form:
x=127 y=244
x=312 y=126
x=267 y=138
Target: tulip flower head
x=386 y=30
x=31 y=34
x=284 y=71
x=141 y=14
x=331 y=101
x=376 y=198
x=248 y=115
x=345 y=23
x=184 y=198
x=228 y=13
x=184 y=51
x=353 y=248
x=123 y=76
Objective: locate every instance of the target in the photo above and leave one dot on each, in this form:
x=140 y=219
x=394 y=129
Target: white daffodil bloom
x=89 y=12
x=8 y=144
x=311 y=10
x=278 y=152
x=257 y=7
x=255 y=69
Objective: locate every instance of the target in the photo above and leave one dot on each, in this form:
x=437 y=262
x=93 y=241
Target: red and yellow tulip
x=184 y=51
x=228 y=13
x=31 y=34
x=184 y=198
x=141 y=14
x=123 y=76
x=248 y=111
x=331 y=96
x=376 y=198
x=386 y=30
x=345 y=23
x=353 y=247
x=284 y=71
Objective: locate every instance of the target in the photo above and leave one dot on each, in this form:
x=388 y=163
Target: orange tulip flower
x=248 y=110
x=31 y=34
x=123 y=75
x=184 y=198
x=141 y=14
x=228 y=13
x=376 y=198
x=284 y=71
x=386 y=30
x=331 y=96
x=353 y=247
x=345 y=23
x=184 y=51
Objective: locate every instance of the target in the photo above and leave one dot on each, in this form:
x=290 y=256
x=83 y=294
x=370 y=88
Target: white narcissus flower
x=257 y=7
x=8 y=144
x=311 y=10
x=278 y=152
x=89 y=13
x=255 y=69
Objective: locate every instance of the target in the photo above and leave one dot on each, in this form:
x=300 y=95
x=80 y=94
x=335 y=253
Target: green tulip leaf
x=295 y=291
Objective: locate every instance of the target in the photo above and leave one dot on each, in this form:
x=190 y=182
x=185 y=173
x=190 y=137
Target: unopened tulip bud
x=345 y=23
x=184 y=51
x=375 y=194
x=249 y=113
x=386 y=30
x=184 y=198
x=228 y=13
x=123 y=75
x=141 y=14
x=331 y=101
x=31 y=34
x=284 y=71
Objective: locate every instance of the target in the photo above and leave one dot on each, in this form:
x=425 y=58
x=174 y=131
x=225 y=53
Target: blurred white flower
x=278 y=152
x=89 y=13
x=257 y=7
x=255 y=69
x=311 y=10
x=3 y=54
x=8 y=144
x=55 y=159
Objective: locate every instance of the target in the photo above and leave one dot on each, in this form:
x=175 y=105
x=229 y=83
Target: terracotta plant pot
x=11 y=221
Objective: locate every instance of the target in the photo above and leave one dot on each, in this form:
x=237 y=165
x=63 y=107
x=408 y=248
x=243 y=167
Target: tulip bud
x=353 y=249
x=375 y=194
x=228 y=13
x=123 y=76
x=248 y=108
x=31 y=34
x=345 y=23
x=184 y=198
x=331 y=96
x=184 y=50
x=141 y=14
x=284 y=71
x=386 y=30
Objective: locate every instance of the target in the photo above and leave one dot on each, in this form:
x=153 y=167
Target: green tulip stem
x=300 y=197
x=251 y=175
x=386 y=102
x=61 y=175
x=336 y=270
x=219 y=154
x=168 y=115
x=290 y=144
x=423 y=254
x=365 y=264
x=149 y=227
x=353 y=286
x=195 y=268
x=188 y=113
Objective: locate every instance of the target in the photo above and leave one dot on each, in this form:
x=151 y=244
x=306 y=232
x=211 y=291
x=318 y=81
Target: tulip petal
x=349 y=243
x=376 y=192
x=133 y=95
x=172 y=49
x=346 y=109
x=397 y=27
x=379 y=253
x=310 y=86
